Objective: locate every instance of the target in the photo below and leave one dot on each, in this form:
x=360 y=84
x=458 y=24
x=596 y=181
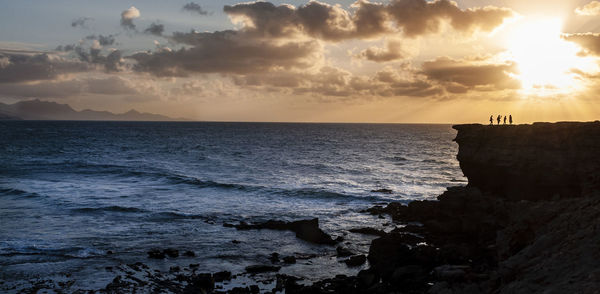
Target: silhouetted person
x=498 y=119
x=510 y=118
x=491 y=120
x=505 y=119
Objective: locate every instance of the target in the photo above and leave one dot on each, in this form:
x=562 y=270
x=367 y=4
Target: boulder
x=307 y=230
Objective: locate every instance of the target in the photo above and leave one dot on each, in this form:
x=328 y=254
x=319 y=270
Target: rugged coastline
x=526 y=223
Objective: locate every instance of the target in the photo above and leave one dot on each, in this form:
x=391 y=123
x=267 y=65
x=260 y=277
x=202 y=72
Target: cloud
x=461 y=76
x=155 y=29
x=393 y=51
x=226 y=52
x=26 y=67
x=590 y=9
x=333 y=23
x=69 y=88
x=196 y=8
x=127 y=17
x=335 y=82
x=589 y=42
x=102 y=40
x=80 y=22
x=111 y=62
x=419 y=17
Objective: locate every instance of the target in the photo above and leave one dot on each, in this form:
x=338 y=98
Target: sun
x=545 y=60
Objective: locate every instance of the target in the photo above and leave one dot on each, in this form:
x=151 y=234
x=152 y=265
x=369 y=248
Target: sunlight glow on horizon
x=545 y=60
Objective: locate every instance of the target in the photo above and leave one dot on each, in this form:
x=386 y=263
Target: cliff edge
x=541 y=161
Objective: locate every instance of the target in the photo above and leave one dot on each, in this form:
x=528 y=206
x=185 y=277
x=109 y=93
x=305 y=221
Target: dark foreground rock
x=255 y=269
x=307 y=230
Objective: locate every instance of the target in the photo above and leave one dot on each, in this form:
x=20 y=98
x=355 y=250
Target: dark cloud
x=16 y=68
x=127 y=17
x=418 y=17
x=316 y=19
x=226 y=52
x=80 y=22
x=393 y=51
x=333 y=23
x=155 y=29
x=459 y=76
x=330 y=81
x=589 y=42
x=66 y=48
x=102 y=40
x=196 y=8
x=110 y=62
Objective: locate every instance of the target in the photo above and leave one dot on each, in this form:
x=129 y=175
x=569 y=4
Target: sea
x=79 y=198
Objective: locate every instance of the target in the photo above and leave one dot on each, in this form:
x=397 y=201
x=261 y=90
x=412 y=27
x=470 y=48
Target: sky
x=396 y=61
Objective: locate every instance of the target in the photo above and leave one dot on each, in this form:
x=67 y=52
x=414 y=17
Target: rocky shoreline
x=527 y=222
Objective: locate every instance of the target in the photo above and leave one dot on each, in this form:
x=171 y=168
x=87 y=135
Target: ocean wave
x=398 y=158
x=113 y=208
x=18 y=192
x=26 y=248
x=177 y=179
x=433 y=161
x=328 y=195
x=169 y=215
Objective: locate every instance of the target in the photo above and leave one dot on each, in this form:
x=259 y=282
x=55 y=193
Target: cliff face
x=533 y=162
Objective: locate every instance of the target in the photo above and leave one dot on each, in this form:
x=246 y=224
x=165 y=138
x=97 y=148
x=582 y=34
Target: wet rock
x=222 y=276
x=407 y=272
x=343 y=252
x=156 y=254
x=240 y=290
x=289 y=259
x=189 y=253
x=200 y=283
x=307 y=230
x=174 y=269
x=366 y=278
x=451 y=272
x=236 y=241
x=368 y=231
x=274 y=258
x=390 y=252
x=171 y=252
x=356 y=260
x=255 y=269
x=383 y=191
x=254 y=289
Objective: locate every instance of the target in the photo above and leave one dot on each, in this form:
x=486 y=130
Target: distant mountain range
x=45 y=110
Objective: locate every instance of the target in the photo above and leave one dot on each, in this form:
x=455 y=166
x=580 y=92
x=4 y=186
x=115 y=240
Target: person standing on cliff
x=505 y=119
x=491 y=120
x=498 y=119
x=510 y=118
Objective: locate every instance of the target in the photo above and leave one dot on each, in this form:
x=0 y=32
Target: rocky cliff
x=534 y=162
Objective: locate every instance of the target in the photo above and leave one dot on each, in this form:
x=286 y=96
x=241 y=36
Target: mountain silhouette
x=46 y=110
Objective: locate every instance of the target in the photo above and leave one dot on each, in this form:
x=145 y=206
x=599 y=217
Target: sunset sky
x=393 y=61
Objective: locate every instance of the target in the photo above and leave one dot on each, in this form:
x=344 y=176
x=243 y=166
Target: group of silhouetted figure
x=499 y=118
